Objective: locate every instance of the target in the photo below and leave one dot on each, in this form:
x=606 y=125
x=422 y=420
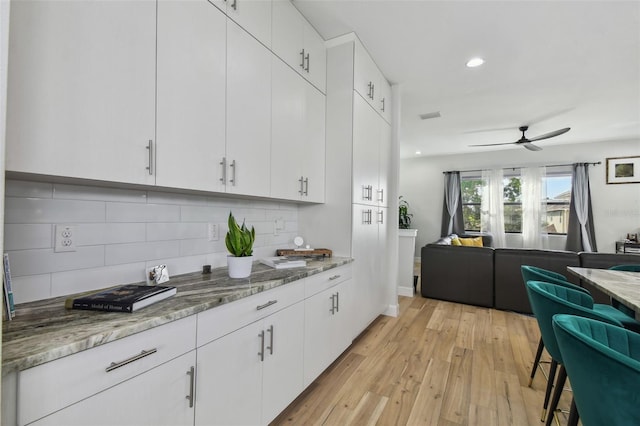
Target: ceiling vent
x=430 y=115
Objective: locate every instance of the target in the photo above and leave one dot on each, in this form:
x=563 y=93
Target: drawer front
x=217 y=322
x=57 y=384
x=320 y=282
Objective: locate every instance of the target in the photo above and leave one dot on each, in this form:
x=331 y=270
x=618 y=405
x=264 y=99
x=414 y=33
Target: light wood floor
x=438 y=363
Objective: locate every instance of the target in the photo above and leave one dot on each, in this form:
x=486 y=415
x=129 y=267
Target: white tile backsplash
x=120 y=233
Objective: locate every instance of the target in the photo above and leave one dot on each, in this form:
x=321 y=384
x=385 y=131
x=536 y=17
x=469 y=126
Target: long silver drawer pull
x=381 y=195
x=223 y=163
x=301 y=180
x=192 y=384
x=335 y=277
x=233 y=173
x=270 y=347
x=382 y=104
x=302 y=59
x=306 y=58
x=266 y=305
x=261 y=353
x=337 y=301
x=306 y=186
x=142 y=354
x=333 y=304
x=150 y=149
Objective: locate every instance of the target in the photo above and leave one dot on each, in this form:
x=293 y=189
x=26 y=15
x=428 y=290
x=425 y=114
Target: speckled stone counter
x=43 y=331
x=623 y=286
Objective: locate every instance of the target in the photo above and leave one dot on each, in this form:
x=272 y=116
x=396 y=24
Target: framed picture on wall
x=623 y=170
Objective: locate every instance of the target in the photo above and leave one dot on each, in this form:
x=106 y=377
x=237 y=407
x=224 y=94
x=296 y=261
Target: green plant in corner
x=404 y=217
x=239 y=239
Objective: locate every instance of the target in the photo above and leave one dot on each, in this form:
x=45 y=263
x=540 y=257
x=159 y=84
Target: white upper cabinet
x=81 y=89
x=252 y=15
x=370 y=83
x=191 y=95
x=297 y=43
x=366 y=155
x=248 y=148
x=298 y=137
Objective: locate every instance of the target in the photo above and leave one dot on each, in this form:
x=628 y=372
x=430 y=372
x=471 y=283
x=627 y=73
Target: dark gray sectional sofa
x=491 y=277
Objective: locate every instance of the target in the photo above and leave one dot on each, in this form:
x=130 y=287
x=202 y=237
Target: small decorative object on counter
x=159 y=274
x=239 y=241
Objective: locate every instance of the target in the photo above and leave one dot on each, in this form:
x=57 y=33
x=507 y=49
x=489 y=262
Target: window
x=557 y=186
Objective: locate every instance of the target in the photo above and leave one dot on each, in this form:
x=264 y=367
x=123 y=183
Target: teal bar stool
x=546 y=301
x=534 y=273
x=603 y=364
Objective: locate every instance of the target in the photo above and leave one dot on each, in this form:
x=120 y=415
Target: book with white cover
x=283 y=262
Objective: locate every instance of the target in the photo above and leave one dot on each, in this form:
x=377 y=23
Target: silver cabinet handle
x=382 y=104
x=261 y=353
x=381 y=216
x=381 y=195
x=223 y=163
x=269 y=303
x=150 y=149
x=306 y=58
x=302 y=59
x=301 y=180
x=335 y=277
x=233 y=173
x=366 y=217
x=337 y=301
x=306 y=187
x=373 y=91
x=115 y=365
x=234 y=5
x=333 y=304
x=192 y=382
x=270 y=347
x=367 y=192
x=370 y=93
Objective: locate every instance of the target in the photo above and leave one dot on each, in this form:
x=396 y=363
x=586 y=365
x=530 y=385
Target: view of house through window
x=557 y=186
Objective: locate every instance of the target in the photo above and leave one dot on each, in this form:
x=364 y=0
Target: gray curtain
x=581 y=234
x=452 y=220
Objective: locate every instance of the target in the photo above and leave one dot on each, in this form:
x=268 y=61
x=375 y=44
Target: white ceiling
x=549 y=64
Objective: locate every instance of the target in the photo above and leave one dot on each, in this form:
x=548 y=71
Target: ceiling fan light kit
x=526 y=142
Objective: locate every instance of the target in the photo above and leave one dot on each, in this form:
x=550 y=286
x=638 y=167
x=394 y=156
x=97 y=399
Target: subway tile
x=99 y=193
x=30 y=210
x=110 y=233
x=157 y=197
x=217 y=260
x=129 y=212
x=209 y=214
x=116 y=254
x=176 y=231
x=33 y=262
x=202 y=246
x=69 y=282
x=27 y=189
x=31 y=287
x=27 y=236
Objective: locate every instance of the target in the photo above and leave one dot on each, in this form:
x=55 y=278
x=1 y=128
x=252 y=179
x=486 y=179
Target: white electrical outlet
x=65 y=238
x=212 y=232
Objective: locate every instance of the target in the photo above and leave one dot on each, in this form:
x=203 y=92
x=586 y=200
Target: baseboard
x=405 y=291
x=392 y=310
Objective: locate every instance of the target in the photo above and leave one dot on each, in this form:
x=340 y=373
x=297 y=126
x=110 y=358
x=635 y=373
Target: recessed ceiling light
x=418 y=152
x=475 y=62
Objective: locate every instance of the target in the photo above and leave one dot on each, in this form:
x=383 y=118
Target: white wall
x=616 y=208
x=120 y=233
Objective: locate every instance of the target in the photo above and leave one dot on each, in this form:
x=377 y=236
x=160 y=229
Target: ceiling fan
x=525 y=142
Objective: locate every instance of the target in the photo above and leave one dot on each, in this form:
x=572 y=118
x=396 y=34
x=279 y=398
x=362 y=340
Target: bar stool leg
x=573 y=414
x=562 y=377
x=547 y=394
x=536 y=361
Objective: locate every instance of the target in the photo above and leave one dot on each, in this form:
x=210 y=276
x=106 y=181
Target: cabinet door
x=282 y=378
x=229 y=385
x=288 y=32
x=313 y=156
x=254 y=16
x=288 y=132
x=365 y=266
x=384 y=136
x=82 y=89
x=157 y=397
x=365 y=74
x=248 y=113
x=191 y=95
x=381 y=283
x=316 y=64
x=365 y=152
x=383 y=103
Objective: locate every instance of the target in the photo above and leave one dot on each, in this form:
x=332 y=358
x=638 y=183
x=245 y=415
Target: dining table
x=623 y=286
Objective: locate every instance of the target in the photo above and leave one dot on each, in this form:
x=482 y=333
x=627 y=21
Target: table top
x=623 y=286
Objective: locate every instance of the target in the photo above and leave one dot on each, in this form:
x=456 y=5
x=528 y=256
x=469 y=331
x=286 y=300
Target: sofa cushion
x=471 y=242
x=510 y=291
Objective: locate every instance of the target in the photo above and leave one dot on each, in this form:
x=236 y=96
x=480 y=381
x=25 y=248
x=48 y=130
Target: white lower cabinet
x=161 y=396
x=252 y=374
x=328 y=316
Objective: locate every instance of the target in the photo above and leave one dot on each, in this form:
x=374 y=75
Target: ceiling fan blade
x=494 y=144
x=531 y=147
x=550 y=134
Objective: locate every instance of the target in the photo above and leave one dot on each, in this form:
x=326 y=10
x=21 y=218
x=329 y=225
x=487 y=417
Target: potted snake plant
x=239 y=241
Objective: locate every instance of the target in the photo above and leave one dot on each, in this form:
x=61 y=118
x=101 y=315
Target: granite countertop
x=43 y=331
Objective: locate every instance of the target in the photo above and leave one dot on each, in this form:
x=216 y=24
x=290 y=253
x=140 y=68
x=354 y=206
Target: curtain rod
x=522 y=167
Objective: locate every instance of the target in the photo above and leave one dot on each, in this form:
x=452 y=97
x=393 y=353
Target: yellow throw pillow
x=471 y=242
x=456 y=242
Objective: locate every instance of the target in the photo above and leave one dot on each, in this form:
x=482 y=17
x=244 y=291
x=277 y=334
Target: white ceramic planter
x=239 y=267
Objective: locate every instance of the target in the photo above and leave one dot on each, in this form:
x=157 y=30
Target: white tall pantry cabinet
x=353 y=220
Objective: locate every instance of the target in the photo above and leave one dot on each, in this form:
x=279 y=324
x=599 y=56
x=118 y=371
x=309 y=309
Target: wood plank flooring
x=438 y=363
